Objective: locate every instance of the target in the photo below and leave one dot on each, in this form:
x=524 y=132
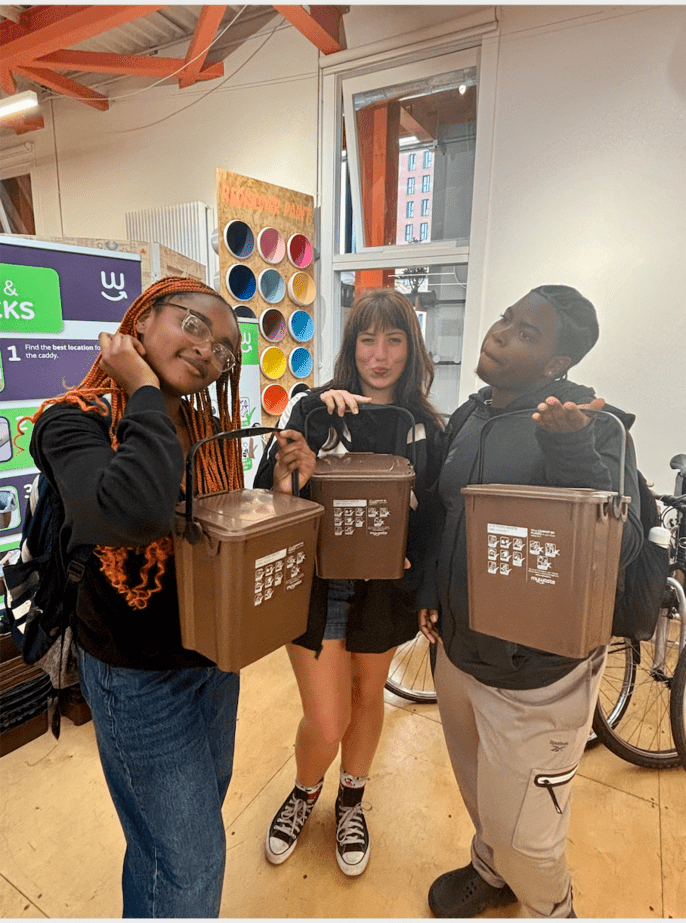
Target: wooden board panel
x=261 y=205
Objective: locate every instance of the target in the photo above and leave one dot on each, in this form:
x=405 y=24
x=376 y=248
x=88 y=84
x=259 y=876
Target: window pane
x=409 y=229
x=438 y=294
x=409 y=213
x=425 y=206
x=424 y=230
x=437 y=117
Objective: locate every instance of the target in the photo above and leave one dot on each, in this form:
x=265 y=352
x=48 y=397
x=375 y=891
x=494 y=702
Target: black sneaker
x=352 y=839
x=464 y=893
x=289 y=820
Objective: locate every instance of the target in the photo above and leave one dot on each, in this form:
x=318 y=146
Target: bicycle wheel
x=409 y=675
x=642 y=734
x=677 y=706
x=616 y=685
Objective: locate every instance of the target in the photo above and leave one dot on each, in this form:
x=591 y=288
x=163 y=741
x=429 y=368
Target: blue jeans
x=166 y=741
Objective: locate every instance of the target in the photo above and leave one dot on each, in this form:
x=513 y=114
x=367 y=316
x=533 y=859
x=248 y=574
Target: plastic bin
x=366 y=500
x=244 y=568
x=542 y=565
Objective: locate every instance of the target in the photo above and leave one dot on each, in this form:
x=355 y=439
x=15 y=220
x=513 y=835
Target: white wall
x=588 y=188
x=261 y=123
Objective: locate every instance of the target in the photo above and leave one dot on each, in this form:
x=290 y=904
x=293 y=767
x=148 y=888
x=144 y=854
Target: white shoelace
x=350 y=830
x=292 y=817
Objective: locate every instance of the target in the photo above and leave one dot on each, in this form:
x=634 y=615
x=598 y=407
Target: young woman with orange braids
x=164 y=716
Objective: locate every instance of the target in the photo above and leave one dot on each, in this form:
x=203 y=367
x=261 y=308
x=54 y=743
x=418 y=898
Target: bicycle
x=636 y=717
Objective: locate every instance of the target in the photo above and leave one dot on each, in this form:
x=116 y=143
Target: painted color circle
x=271 y=245
x=300 y=362
x=271 y=285
x=241 y=282
x=239 y=239
x=301 y=326
x=242 y=310
x=273 y=362
x=301 y=288
x=297 y=388
x=300 y=251
x=274 y=399
x=273 y=325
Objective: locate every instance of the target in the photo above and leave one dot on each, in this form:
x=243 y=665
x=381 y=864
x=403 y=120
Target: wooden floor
x=62 y=846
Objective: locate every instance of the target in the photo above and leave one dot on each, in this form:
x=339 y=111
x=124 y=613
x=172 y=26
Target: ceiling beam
x=413 y=127
x=59 y=30
x=133 y=65
x=22 y=123
x=65 y=86
x=205 y=31
x=321 y=25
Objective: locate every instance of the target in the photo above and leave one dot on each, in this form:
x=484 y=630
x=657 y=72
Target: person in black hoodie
x=164 y=716
x=516 y=719
x=341 y=661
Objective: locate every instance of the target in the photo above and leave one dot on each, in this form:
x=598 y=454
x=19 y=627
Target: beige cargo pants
x=514 y=754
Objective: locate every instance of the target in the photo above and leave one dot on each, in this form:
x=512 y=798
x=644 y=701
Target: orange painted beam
x=321 y=25
x=7 y=82
x=65 y=86
x=205 y=30
x=22 y=124
x=58 y=30
x=131 y=64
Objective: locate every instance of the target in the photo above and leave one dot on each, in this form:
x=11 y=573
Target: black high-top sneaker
x=352 y=837
x=288 y=822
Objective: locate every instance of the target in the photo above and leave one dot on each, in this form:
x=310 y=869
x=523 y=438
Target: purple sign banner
x=95 y=285
x=43 y=366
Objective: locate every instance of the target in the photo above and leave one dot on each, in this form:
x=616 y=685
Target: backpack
x=641 y=584
x=40 y=591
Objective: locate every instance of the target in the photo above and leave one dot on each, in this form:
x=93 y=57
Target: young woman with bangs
x=341 y=661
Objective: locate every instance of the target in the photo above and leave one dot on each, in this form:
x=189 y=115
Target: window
x=426 y=183
x=410 y=185
x=425 y=207
x=426 y=163
x=409 y=210
x=409 y=232
x=424 y=230
x=411 y=161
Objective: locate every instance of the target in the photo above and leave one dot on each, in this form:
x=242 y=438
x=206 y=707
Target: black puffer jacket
x=383 y=613
x=517 y=452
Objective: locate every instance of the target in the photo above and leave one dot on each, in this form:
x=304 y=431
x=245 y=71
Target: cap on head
x=579 y=328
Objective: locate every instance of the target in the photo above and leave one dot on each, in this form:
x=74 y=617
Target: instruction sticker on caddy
x=520 y=553
x=279 y=572
x=371 y=516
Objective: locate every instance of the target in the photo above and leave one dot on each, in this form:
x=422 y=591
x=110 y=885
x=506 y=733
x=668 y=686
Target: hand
x=427 y=624
x=569 y=417
x=342 y=401
x=122 y=357
x=293 y=452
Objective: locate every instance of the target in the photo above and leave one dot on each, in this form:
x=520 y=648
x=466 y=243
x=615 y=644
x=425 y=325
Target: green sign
x=15 y=455
x=30 y=299
x=250 y=342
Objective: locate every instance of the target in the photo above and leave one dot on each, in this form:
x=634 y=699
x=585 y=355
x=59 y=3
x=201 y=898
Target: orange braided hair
x=219 y=465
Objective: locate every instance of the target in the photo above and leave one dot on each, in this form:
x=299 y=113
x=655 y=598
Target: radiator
x=186 y=228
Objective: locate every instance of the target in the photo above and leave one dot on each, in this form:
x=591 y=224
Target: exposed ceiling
x=77 y=51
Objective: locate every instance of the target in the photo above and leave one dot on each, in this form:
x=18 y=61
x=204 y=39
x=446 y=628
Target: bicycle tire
x=410 y=675
x=677 y=707
x=616 y=685
x=642 y=735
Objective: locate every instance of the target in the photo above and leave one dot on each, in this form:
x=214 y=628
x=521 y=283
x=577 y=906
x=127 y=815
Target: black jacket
x=383 y=613
x=122 y=498
x=517 y=451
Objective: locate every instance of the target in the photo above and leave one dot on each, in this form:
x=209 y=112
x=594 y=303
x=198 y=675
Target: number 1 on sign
x=12 y=350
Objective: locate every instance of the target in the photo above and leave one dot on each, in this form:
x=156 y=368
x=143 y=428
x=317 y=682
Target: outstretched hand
x=427 y=624
x=122 y=357
x=293 y=452
x=569 y=417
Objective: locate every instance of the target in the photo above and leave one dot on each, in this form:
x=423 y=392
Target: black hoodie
x=518 y=452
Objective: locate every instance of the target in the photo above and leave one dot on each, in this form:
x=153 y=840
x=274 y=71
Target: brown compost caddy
x=366 y=501
x=542 y=562
x=244 y=568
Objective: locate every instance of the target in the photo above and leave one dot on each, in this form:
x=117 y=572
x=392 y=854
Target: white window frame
x=476 y=32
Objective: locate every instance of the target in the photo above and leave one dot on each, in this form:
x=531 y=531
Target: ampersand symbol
x=8 y=288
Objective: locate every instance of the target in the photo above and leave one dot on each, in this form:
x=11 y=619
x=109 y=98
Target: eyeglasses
x=197 y=331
